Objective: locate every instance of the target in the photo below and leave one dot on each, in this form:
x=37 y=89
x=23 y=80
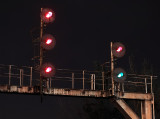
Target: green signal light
x=120 y=75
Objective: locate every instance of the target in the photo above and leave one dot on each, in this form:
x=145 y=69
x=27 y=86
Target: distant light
x=119 y=49
x=49 y=41
x=48 y=69
x=49 y=14
x=120 y=75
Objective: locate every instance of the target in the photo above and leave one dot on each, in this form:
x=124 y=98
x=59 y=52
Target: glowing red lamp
x=47 y=15
x=48 y=69
x=48 y=41
x=119 y=49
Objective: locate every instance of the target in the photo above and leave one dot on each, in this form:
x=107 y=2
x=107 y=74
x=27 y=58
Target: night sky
x=83 y=30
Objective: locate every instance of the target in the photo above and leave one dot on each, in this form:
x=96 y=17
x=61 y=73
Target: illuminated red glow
x=49 y=14
x=119 y=49
x=48 y=41
x=48 y=69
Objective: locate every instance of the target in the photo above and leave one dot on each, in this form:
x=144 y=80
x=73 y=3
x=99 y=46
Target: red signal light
x=47 y=70
x=119 y=49
x=48 y=14
x=48 y=42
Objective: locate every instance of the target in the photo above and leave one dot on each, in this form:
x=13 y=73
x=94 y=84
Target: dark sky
x=83 y=30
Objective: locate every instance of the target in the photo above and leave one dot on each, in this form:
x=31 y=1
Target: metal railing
x=74 y=79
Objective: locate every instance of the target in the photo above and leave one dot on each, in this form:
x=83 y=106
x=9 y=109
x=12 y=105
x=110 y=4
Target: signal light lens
x=48 y=41
x=119 y=49
x=49 y=14
x=47 y=70
x=120 y=75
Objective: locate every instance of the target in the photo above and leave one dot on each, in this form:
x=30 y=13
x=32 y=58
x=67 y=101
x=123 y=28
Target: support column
x=112 y=68
x=124 y=108
x=41 y=56
x=146 y=109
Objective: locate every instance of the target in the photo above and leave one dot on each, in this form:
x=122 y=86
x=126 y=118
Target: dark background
x=83 y=30
x=53 y=107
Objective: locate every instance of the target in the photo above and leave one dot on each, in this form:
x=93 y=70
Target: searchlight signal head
x=47 y=70
x=118 y=49
x=119 y=75
x=47 y=15
x=48 y=42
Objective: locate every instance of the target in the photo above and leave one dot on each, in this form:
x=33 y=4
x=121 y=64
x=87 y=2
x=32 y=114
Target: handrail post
x=83 y=79
x=103 y=80
x=9 y=82
x=72 y=80
x=94 y=78
x=20 y=77
x=91 y=81
x=31 y=76
x=146 y=85
x=151 y=84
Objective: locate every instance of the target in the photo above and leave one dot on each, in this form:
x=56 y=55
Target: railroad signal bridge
x=114 y=84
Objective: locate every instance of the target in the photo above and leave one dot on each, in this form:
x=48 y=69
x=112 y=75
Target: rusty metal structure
x=22 y=80
x=83 y=83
